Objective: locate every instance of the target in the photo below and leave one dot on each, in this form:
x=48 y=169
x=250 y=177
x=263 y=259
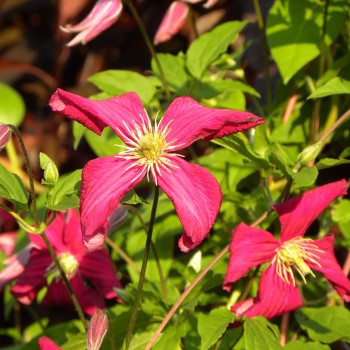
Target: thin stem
x=154 y=251
x=149 y=45
x=266 y=53
x=193 y=20
x=125 y=256
x=29 y=172
x=143 y=269
x=334 y=126
x=183 y=296
x=110 y=333
x=65 y=280
x=249 y=284
x=284 y=328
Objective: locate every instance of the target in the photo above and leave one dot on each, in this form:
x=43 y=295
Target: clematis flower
x=250 y=247
x=194 y=191
x=46 y=343
x=102 y=16
x=174 y=19
x=33 y=265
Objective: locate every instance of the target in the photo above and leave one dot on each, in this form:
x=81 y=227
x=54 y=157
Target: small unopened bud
x=308 y=154
x=97 y=330
x=5 y=135
x=50 y=170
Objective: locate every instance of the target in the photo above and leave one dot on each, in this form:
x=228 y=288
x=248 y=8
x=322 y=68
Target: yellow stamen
x=293 y=253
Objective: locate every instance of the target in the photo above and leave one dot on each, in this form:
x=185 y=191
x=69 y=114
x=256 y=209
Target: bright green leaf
x=330 y=162
x=212 y=326
x=170 y=338
x=132 y=198
x=299 y=345
x=294 y=30
x=12 y=189
x=209 y=46
x=260 y=334
x=326 y=324
x=12 y=108
x=306 y=176
x=335 y=86
x=118 y=82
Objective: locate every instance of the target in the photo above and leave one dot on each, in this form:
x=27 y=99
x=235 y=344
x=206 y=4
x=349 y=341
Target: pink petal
x=33 y=278
x=8 y=242
x=190 y=121
x=196 y=196
x=210 y=3
x=274 y=298
x=249 y=247
x=330 y=267
x=89 y=299
x=46 y=343
x=173 y=20
x=54 y=234
x=298 y=213
x=15 y=268
x=121 y=113
x=105 y=181
x=117 y=217
x=102 y=16
x=97 y=267
x=72 y=236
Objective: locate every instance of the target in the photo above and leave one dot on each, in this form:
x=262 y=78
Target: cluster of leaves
x=251 y=168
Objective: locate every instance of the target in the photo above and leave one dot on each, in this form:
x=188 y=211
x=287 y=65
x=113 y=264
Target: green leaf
x=341 y=216
x=12 y=189
x=209 y=46
x=170 y=338
x=212 y=326
x=12 y=108
x=294 y=30
x=140 y=340
x=299 y=345
x=330 y=162
x=132 y=198
x=106 y=144
x=335 y=86
x=306 y=176
x=118 y=82
x=325 y=324
x=78 y=133
x=65 y=192
x=175 y=72
x=260 y=334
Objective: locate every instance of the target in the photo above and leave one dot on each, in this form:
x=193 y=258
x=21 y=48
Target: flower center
x=69 y=264
x=293 y=253
x=151 y=146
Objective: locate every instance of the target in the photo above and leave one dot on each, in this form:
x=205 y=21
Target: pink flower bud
x=97 y=330
x=5 y=135
x=102 y=16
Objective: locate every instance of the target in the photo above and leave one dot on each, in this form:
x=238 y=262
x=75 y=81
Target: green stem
x=110 y=333
x=154 y=251
x=149 y=45
x=143 y=269
x=193 y=20
x=249 y=284
x=266 y=54
x=65 y=280
x=29 y=172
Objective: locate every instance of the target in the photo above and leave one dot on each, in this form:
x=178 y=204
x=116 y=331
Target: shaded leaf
x=12 y=108
x=334 y=86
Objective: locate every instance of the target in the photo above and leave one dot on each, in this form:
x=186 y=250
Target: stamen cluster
x=293 y=253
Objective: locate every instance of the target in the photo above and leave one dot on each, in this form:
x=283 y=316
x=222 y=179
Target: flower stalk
x=143 y=269
x=149 y=45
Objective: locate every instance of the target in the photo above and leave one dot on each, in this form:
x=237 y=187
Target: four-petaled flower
x=102 y=16
x=33 y=265
x=194 y=191
x=174 y=19
x=250 y=247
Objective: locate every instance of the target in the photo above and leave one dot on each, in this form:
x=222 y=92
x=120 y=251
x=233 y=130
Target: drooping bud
x=308 y=154
x=118 y=217
x=50 y=170
x=97 y=329
x=5 y=135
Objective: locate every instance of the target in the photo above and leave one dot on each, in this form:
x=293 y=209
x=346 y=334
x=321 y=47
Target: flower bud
x=97 y=330
x=50 y=170
x=309 y=154
x=5 y=135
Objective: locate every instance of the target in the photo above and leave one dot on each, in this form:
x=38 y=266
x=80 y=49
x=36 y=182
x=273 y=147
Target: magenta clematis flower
x=174 y=19
x=32 y=266
x=102 y=16
x=46 y=343
x=250 y=247
x=194 y=191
